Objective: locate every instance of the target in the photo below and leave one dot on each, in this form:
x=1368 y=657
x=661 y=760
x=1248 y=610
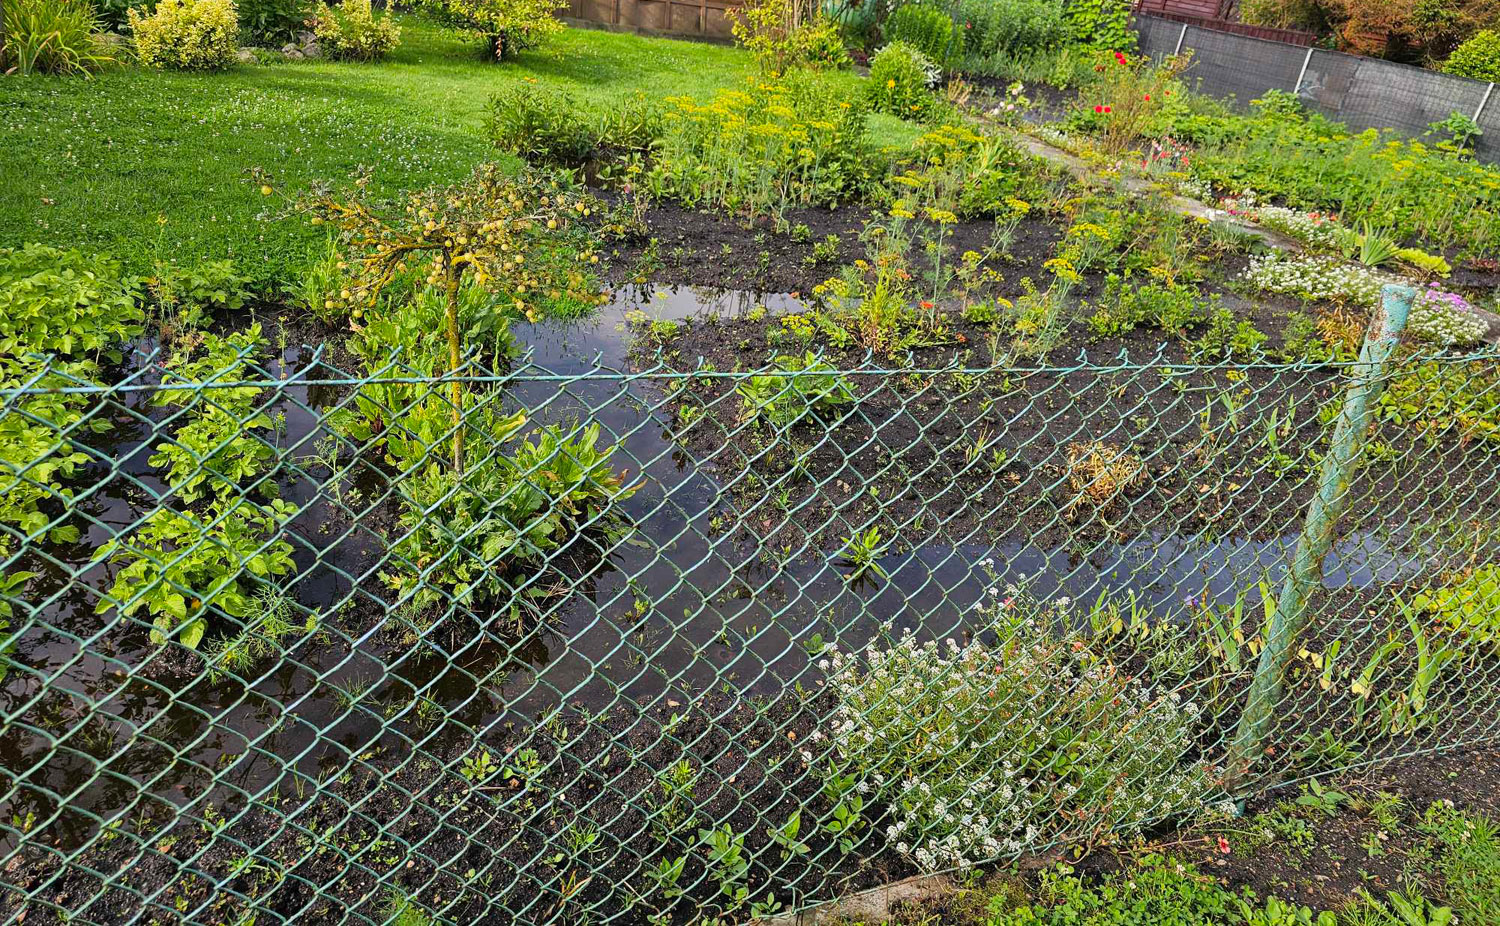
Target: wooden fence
x=707 y=19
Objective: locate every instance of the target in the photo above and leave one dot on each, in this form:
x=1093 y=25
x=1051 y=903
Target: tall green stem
x=455 y=274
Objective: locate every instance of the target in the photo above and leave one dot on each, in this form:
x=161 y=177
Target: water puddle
x=680 y=607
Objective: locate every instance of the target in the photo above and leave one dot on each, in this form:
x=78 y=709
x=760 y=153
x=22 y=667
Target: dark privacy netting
x=662 y=639
x=1362 y=92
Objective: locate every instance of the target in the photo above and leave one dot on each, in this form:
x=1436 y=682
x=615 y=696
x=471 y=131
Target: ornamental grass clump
x=988 y=749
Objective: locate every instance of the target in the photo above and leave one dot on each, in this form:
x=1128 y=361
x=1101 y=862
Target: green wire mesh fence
x=678 y=642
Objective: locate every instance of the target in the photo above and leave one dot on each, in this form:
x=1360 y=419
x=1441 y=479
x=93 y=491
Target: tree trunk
x=455 y=274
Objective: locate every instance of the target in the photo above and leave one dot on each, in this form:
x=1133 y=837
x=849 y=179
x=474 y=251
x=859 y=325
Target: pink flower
x=1223 y=845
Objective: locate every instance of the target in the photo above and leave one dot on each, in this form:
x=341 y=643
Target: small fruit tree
x=502 y=230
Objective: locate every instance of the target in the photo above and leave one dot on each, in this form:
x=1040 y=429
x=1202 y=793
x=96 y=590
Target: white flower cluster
x=1445 y=318
x=985 y=750
x=1318 y=230
x=1316 y=278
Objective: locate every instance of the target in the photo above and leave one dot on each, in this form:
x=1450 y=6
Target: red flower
x=1148 y=98
x=926 y=305
x=1098 y=109
x=1106 y=109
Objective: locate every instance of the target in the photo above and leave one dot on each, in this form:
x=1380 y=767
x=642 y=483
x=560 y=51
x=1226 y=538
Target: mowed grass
x=144 y=164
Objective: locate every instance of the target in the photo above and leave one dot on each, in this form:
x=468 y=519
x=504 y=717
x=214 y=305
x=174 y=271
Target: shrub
x=988 y=749
x=818 y=44
x=784 y=34
x=1010 y=27
x=51 y=37
x=272 y=22
x=758 y=151
x=925 y=28
x=901 y=81
x=64 y=302
x=1478 y=58
x=1101 y=24
x=510 y=26
x=542 y=125
x=351 y=32
x=190 y=35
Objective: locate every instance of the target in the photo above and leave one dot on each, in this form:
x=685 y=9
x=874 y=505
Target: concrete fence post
x=1318 y=533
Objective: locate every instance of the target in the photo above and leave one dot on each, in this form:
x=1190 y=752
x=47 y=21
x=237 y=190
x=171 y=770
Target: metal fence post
x=1180 y=36
x=1306 y=60
x=1317 y=536
x=1479 y=110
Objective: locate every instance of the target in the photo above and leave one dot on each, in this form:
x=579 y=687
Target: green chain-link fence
x=690 y=642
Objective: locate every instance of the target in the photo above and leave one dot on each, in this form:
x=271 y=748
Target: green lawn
x=139 y=163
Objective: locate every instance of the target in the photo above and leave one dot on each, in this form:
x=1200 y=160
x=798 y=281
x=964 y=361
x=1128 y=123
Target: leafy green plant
x=12 y=585
x=184 y=567
x=217 y=449
x=51 y=37
x=37 y=454
x=805 y=387
x=1157 y=890
x=65 y=302
x=472 y=538
x=785 y=836
x=185 y=296
x=863 y=552
x=727 y=862
x=901 y=78
x=1324 y=800
x=542 y=125
x=352 y=32
x=1101 y=24
x=478 y=768
x=1124 y=307
x=186 y=35
x=1227 y=337
x=1470 y=604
